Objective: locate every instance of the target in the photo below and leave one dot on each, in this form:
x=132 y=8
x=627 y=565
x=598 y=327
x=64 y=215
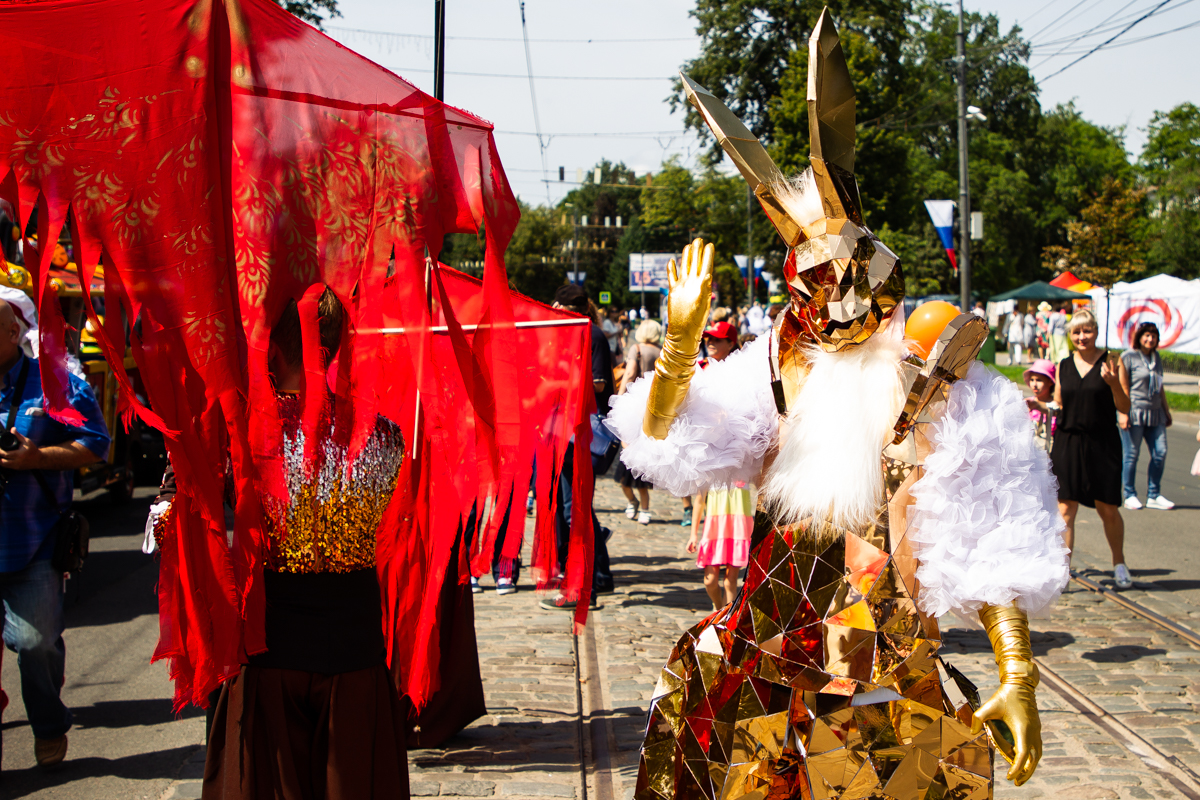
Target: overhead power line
x=1137 y=40
x=399 y=35
x=519 y=77
x=1111 y=39
x=1109 y=24
x=537 y=123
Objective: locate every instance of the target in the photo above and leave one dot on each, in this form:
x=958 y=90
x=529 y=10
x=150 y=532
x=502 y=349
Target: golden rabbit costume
x=894 y=489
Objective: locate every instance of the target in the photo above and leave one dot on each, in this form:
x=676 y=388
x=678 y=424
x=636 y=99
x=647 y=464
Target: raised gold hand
x=687 y=313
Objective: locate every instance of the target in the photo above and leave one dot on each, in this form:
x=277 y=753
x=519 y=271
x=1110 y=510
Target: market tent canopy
x=1171 y=303
x=1038 y=290
x=1072 y=282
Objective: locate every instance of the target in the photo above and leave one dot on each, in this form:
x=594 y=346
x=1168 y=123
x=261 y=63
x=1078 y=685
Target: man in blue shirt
x=32 y=590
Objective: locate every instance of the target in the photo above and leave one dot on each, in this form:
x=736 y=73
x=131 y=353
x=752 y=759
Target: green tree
x=1170 y=165
x=536 y=263
x=1107 y=243
x=1028 y=167
x=314 y=12
x=749 y=47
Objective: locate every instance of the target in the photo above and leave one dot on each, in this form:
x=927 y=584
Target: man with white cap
x=33 y=446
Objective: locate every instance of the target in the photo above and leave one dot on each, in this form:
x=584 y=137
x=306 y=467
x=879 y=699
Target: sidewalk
x=567 y=715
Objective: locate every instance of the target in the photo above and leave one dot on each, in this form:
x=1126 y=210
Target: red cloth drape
x=224 y=158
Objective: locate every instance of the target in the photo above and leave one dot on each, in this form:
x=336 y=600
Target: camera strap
x=18 y=393
x=13 y=407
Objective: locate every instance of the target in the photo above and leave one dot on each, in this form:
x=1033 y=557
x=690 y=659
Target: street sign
x=605 y=298
x=648 y=271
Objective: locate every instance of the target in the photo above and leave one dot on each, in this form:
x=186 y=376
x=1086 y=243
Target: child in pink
x=1040 y=379
x=727 y=514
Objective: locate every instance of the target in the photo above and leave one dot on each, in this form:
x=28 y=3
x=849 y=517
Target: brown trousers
x=283 y=734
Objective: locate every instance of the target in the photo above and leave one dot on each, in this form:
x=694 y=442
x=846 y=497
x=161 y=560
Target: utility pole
x=749 y=246
x=439 y=49
x=964 y=186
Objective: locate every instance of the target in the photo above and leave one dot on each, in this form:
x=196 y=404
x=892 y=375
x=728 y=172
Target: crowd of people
x=1091 y=411
x=1031 y=334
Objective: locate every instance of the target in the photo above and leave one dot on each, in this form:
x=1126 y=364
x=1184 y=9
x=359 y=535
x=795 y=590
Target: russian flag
x=942 y=214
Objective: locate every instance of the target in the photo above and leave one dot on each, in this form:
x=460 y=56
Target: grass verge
x=1177 y=401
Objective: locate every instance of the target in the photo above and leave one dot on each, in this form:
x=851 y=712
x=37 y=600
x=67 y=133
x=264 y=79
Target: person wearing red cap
x=724 y=515
x=719 y=340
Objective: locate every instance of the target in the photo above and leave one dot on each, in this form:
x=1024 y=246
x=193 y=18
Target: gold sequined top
x=334 y=507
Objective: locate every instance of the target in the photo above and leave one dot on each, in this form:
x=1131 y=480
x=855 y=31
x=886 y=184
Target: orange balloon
x=927 y=323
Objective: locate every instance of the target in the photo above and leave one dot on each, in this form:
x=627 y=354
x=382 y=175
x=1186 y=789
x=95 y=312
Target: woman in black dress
x=1087 y=446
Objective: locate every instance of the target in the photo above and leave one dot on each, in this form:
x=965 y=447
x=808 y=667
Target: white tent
x=1170 y=303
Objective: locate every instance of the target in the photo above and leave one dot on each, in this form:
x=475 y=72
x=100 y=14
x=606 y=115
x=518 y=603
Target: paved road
x=1127 y=698
x=566 y=716
x=126 y=742
x=1162 y=548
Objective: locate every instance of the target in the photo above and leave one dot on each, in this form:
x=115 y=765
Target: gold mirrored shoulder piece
x=949 y=359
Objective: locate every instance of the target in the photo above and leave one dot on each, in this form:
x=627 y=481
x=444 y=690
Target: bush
x=1184 y=363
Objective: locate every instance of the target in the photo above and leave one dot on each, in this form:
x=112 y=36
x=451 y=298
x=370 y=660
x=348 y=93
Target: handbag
x=70 y=531
x=605 y=446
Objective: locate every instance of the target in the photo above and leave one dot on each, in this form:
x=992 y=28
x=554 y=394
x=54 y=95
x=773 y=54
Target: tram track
x=1187 y=634
x=1166 y=766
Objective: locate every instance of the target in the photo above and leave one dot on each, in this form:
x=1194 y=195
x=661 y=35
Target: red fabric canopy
x=223 y=158
x=1066 y=280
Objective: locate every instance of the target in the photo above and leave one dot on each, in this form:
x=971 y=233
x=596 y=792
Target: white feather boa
x=984 y=524
x=828 y=463
x=721 y=434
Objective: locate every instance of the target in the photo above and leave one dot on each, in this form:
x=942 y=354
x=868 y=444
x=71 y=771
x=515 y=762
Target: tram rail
x=1187 y=634
x=1166 y=766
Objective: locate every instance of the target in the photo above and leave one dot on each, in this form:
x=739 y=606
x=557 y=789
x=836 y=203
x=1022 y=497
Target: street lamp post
x=749 y=246
x=439 y=49
x=964 y=186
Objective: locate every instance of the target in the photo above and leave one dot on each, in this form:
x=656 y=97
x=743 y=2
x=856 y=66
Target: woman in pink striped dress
x=726 y=513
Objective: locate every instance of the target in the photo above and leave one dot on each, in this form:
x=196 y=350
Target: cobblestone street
x=1120 y=697
x=1124 y=673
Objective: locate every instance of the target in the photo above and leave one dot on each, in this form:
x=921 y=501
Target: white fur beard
x=828 y=466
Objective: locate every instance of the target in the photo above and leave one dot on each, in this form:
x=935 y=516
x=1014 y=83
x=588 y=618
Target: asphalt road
x=1162 y=548
x=127 y=743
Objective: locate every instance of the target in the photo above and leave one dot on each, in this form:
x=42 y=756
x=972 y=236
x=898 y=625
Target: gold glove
x=687 y=313
x=1015 y=702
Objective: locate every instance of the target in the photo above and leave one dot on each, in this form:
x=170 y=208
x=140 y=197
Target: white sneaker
x=1159 y=502
x=1132 y=503
x=505 y=586
x=1122 y=577
x=475 y=587
x=631 y=510
x=643 y=517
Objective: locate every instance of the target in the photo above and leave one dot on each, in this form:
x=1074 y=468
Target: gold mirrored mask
x=843 y=282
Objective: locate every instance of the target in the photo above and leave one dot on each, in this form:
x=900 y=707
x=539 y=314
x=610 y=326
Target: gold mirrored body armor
x=822 y=679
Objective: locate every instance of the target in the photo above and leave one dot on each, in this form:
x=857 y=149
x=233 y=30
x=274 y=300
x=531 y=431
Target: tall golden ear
x=831 y=122
x=748 y=154
x=830 y=97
